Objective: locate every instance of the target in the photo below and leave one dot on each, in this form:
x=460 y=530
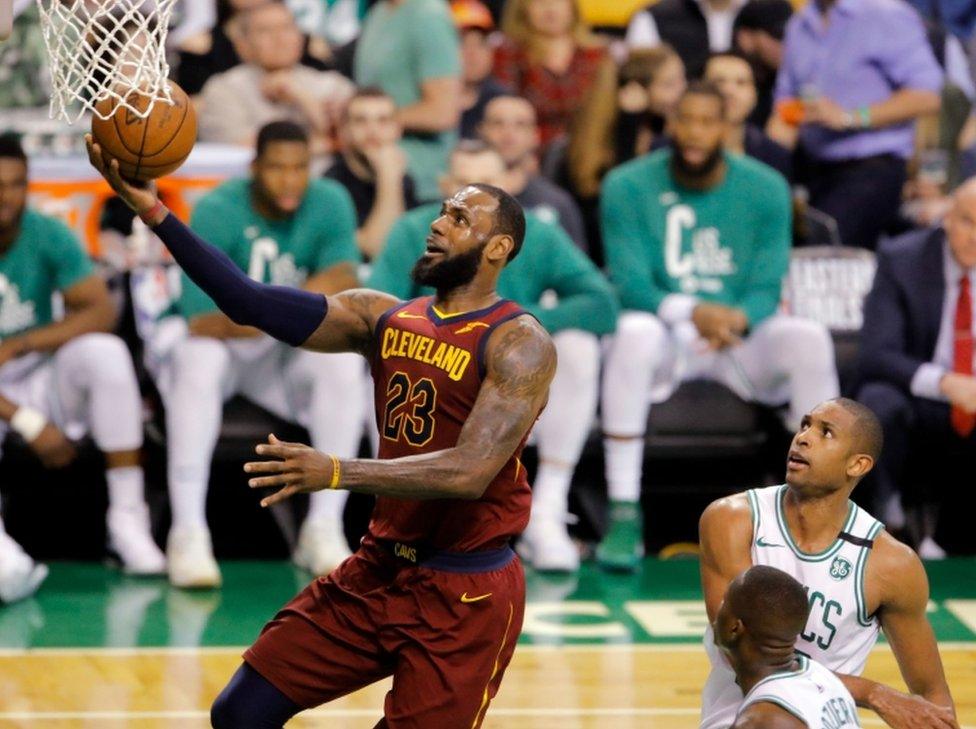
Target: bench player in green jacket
x=697 y=241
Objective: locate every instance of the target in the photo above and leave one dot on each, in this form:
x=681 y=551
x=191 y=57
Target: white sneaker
x=191 y=559
x=20 y=576
x=546 y=544
x=929 y=549
x=130 y=538
x=892 y=513
x=321 y=546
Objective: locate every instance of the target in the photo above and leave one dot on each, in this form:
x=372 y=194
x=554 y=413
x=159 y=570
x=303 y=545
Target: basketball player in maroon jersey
x=435 y=595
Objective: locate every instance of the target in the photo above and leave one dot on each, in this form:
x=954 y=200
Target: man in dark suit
x=917 y=362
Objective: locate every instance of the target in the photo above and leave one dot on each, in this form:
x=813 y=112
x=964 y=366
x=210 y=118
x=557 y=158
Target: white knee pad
x=97 y=384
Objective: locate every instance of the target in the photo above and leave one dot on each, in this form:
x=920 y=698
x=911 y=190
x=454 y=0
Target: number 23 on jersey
x=409 y=412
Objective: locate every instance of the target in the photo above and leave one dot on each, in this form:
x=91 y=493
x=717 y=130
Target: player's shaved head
x=771 y=605
x=868 y=437
x=509 y=217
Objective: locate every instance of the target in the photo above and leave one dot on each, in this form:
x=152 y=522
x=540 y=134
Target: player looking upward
x=859 y=578
x=757 y=626
x=435 y=595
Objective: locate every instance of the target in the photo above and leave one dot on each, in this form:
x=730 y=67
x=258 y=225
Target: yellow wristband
x=336 y=472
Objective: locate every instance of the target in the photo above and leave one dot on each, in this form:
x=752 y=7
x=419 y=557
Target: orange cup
x=791 y=111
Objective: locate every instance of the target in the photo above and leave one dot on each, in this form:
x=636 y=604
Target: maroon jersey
x=427 y=372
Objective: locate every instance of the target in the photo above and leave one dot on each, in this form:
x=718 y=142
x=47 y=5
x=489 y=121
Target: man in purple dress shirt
x=865 y=72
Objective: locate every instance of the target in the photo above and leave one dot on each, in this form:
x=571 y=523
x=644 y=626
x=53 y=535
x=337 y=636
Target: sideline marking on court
x=947 y=646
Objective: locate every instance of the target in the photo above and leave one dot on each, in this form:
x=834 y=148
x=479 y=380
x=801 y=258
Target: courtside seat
x=704 y=419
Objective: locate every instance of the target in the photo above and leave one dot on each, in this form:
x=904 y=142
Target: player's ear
x=859 y=465
x=499 y=248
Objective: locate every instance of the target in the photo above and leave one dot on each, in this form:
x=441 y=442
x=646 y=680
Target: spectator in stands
x=25 y=82
x=624 y=115
x=917 y=365
x=941 y=138
x=372 y=167
x=409 y=48
x=550 y=57
x=858 y=109
x=697 y=242
x=272 y=226
x=333 y=22
x=271 y=85
x=207 y=52
x=732 y=75
x=60 y=378
x=585 y=308
x=510 y=127
x=694 y=28
x=759 y=31
x=475 y=24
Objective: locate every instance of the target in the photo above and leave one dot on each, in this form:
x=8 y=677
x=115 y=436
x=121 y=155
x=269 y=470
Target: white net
x=103 y=49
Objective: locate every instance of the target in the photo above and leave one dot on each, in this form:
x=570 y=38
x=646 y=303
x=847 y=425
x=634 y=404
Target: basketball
x=151 y=147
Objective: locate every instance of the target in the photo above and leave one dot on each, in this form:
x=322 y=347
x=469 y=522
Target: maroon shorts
x=446 y=635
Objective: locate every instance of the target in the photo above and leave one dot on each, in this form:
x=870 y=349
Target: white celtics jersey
x=813 y=694
x=839 y=633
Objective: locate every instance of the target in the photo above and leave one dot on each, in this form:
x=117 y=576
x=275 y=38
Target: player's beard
x=695 y=172
x=450 y=273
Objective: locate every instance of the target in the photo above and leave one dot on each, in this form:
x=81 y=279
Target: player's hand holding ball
x=139 y=196
x=296 y=467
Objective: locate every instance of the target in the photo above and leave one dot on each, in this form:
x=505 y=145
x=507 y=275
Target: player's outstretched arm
x=520 y=360
x=766 y=715
x=297 y=317
x=903 y=599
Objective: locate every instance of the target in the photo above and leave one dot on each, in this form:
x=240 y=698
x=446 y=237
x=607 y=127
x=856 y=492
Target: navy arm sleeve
x=288 y=314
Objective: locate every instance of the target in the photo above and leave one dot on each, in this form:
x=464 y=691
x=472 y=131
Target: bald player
x=758 y=624
x=859 y=579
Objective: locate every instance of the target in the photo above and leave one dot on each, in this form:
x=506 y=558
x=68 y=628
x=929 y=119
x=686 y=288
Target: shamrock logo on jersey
x=840 y=568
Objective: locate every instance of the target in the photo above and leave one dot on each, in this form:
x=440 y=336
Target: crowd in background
x=669 y=170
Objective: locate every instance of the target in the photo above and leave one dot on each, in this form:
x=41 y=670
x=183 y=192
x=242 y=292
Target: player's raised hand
x=138 y=196
x=295 y=467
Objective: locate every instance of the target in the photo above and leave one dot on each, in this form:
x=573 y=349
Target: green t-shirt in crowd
x=45 y=258
x=727 y=245
x=400 y=47
x=548 y=261
x=320 y=234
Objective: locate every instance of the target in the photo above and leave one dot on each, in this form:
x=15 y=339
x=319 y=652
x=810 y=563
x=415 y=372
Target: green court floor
x=89 y=605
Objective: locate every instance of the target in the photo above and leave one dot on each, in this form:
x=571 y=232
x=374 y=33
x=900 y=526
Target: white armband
x=28 y=423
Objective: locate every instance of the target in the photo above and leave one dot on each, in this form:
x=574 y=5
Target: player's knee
x=343 y=374
x=578 y=355
x=805 y=341
x=102 y=356
x=641 y=338
x=233 y=709
x=200 y=363
x=223 y=711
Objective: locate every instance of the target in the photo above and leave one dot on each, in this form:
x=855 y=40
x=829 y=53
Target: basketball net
x=103 y=49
